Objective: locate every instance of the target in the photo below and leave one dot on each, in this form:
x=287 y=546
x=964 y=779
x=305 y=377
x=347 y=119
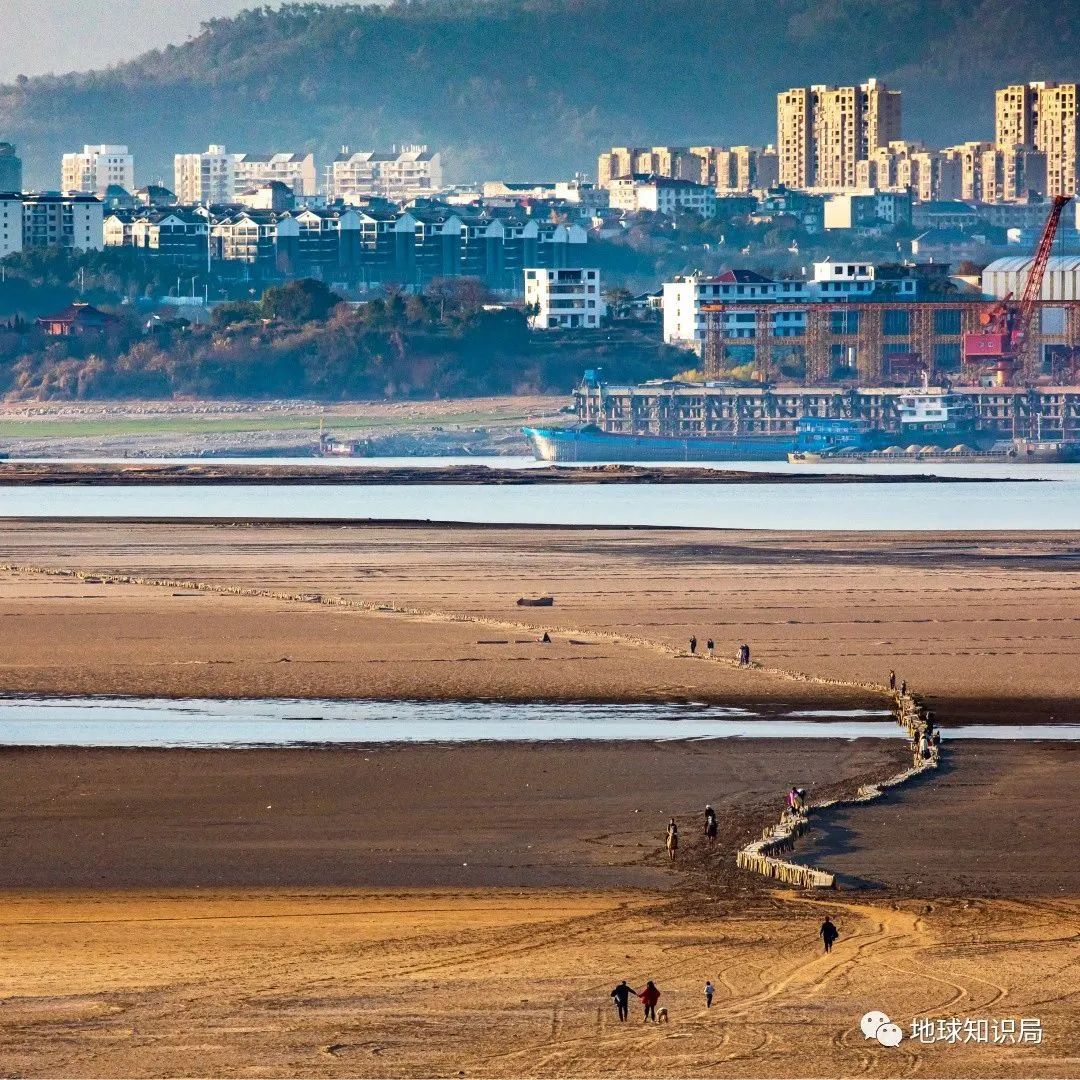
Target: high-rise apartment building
x=10 y=168
x=616 y=162
x=98 y=168
x=1043 y=116
x=673 y=162
x=824 y=131
x=295 y=170
x=204 y=178
x=1011 y=173
x=742 y=169
x=728 y=170
x=965 y=163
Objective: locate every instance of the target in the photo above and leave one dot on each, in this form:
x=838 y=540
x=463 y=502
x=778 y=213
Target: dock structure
x=676 y=409
x=877 y=341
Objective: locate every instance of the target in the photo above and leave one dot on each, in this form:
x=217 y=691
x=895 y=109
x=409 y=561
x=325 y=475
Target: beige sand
x=986 y=627
x=510 y=984
x=261 y=971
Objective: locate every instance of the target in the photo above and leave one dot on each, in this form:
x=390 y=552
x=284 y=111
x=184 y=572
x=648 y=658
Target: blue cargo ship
x=589 y=443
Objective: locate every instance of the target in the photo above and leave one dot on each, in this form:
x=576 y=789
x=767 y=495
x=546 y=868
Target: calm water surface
x=148 y=722
x=1041 y=505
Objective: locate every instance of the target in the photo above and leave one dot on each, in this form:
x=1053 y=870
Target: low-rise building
x=662 y=195
x=295 y=170
x=177 y=234
x=276 y=195
x=79 y=318
x=867 y=211
x=409 y=173
x=97 y=168
x=563 y=299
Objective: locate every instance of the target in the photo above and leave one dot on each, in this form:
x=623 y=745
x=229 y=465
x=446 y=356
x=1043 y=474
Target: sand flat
x=498 y=983
x=987 y=627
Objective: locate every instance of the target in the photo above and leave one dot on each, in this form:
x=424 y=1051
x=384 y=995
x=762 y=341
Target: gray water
x=1041 y=505
x=207 y=723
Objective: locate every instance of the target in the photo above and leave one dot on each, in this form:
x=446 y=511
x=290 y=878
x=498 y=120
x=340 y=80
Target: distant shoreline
x=31 y=474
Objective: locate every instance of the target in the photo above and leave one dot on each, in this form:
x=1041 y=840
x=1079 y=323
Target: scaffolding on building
x=842 y=341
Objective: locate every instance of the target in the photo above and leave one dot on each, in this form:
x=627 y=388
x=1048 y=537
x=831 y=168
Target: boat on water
x=673 y=420
x=589 y=443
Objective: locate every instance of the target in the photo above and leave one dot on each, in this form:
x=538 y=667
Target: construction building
x=853 y=322
x=824 y=131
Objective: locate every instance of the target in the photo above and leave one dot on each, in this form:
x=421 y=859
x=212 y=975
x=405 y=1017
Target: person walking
x=693 y=645
x=621 y=996
x=672 y=839
x=708 y=994
x=903 y=687
x=892 y=680
x=710 y=824
x=828 y=933
x=649 y=997
x=710 y=645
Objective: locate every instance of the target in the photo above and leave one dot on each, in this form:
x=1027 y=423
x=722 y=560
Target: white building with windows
x=204 y=178
x=295 y=170
x=563 y=299
x=661 y=195
x=65 y=221
x=97 y=168
x=11 y=224
x=413 y=172
x=741 y=297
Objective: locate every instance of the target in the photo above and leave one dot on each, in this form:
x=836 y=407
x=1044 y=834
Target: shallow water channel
x=207 y=723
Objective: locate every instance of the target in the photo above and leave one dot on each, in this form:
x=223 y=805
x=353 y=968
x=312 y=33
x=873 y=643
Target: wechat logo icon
x=876 y=1025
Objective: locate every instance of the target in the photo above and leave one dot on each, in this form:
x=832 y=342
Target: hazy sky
x=76 y=35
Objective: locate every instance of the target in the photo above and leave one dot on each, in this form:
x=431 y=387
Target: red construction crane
x=1006 y=324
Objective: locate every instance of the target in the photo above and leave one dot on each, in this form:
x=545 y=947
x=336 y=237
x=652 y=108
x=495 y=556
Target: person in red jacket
x=649 y=997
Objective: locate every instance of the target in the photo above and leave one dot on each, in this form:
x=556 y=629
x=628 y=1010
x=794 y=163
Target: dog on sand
x=661 y=1015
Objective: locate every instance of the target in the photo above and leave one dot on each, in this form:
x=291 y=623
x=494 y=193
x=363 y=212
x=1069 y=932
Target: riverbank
x=140 y=429
x=46 y=474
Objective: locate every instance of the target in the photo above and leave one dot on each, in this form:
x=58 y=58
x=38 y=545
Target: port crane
x=1004 y=337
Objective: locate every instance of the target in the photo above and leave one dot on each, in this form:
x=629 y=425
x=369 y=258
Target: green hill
x=534 y=88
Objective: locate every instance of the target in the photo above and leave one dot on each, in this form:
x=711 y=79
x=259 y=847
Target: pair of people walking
x=648 y=996
x=710 y=646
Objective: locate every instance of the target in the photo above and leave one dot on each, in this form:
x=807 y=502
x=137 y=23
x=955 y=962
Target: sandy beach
x=464 y=911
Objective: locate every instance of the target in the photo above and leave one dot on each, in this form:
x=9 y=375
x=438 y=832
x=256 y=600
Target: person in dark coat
x=710 y=824
x=693 y=645
x=621 y=996
x=892 y=680
x=829 y=933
